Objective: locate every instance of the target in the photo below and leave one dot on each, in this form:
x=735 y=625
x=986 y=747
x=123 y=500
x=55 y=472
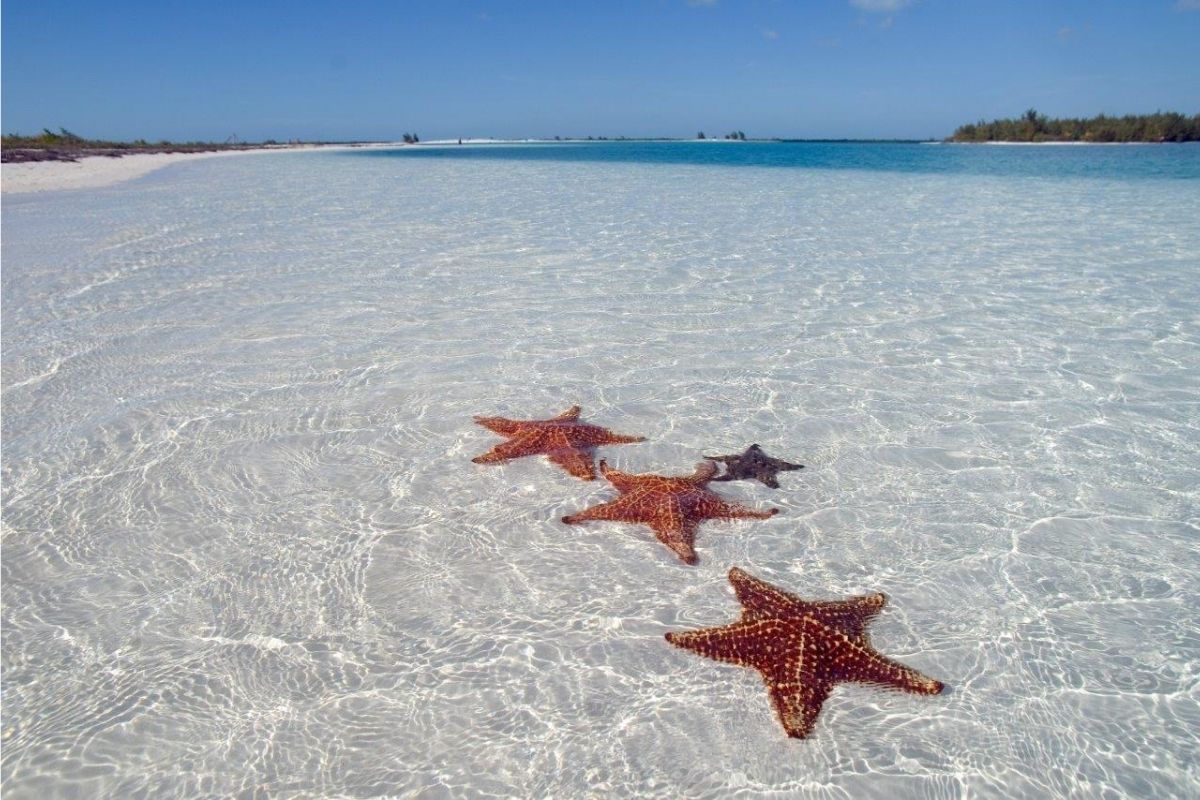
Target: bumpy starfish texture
x=564 y=440
x=802 y=648
x=754 y=464
x=673 y=507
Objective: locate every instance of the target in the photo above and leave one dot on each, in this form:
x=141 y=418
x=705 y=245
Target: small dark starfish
x=673 y=506
x=564 y=439
x=802 y=648
x=753 y=463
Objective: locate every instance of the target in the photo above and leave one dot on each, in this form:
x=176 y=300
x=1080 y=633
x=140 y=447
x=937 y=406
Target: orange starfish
x=672 y=506
x=564 y=439
x=802 y=648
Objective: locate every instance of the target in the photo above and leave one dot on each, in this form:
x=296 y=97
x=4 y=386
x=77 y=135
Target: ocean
x=246 y=552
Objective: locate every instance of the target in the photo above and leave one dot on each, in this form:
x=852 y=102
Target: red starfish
x=672 y=506
x=564 y=439
x=802 y=648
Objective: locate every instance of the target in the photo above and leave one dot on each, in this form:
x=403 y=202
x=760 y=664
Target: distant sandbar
x=92 y=172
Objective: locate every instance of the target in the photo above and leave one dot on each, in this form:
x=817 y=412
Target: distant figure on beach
x=460 y=141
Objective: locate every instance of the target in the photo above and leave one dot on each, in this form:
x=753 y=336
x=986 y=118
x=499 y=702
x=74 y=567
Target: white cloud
x=892 y=6
x=770 y=35
x=1187 y=5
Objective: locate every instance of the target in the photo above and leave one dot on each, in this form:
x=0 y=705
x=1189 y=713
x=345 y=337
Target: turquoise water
x=1175 y=161
x=246 y=553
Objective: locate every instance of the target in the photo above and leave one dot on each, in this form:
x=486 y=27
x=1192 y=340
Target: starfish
x=564 y=439
x=802 y=648
x=672 y=506
x=754 y=463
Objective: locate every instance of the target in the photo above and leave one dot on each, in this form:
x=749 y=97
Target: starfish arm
x=494 y=456
x=723 y=459
x=678 y=533
x=747 y=644
x=759 y=598
x=868 y=605
x=521 y=445
x=724 y=510
x=705 y=472
x=798 y=703
x=624 y=481
x=576 y=462
x=500 y=425
x=850 y=616
x=864 y=665
x=614 y=511
x=609 y=437
x=787 y=466
x=570 y=414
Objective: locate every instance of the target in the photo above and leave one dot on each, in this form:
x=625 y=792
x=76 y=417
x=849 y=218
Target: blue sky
x=445 y=68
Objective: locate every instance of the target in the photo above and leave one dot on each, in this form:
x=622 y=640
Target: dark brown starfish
x=564 y=439
x=802 y=648
x=672 y=506
x=754 y=463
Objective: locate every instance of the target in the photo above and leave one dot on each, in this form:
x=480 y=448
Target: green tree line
x=1161 y=126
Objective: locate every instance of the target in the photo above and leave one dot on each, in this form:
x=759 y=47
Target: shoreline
x=98 y=171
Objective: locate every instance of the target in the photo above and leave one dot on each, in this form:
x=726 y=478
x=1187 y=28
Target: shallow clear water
x=1138 y=161
x=245 y=551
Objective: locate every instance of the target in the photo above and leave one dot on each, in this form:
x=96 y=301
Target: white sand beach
x=93 y=172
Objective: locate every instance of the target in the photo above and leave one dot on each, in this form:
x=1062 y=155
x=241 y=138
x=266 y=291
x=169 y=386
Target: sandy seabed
x=246 y=553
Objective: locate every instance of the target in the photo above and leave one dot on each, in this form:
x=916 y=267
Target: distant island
x=1035 y=127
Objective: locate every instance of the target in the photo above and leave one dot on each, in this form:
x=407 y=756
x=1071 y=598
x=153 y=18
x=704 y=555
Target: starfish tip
x=738 y=574
x=774 y=511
